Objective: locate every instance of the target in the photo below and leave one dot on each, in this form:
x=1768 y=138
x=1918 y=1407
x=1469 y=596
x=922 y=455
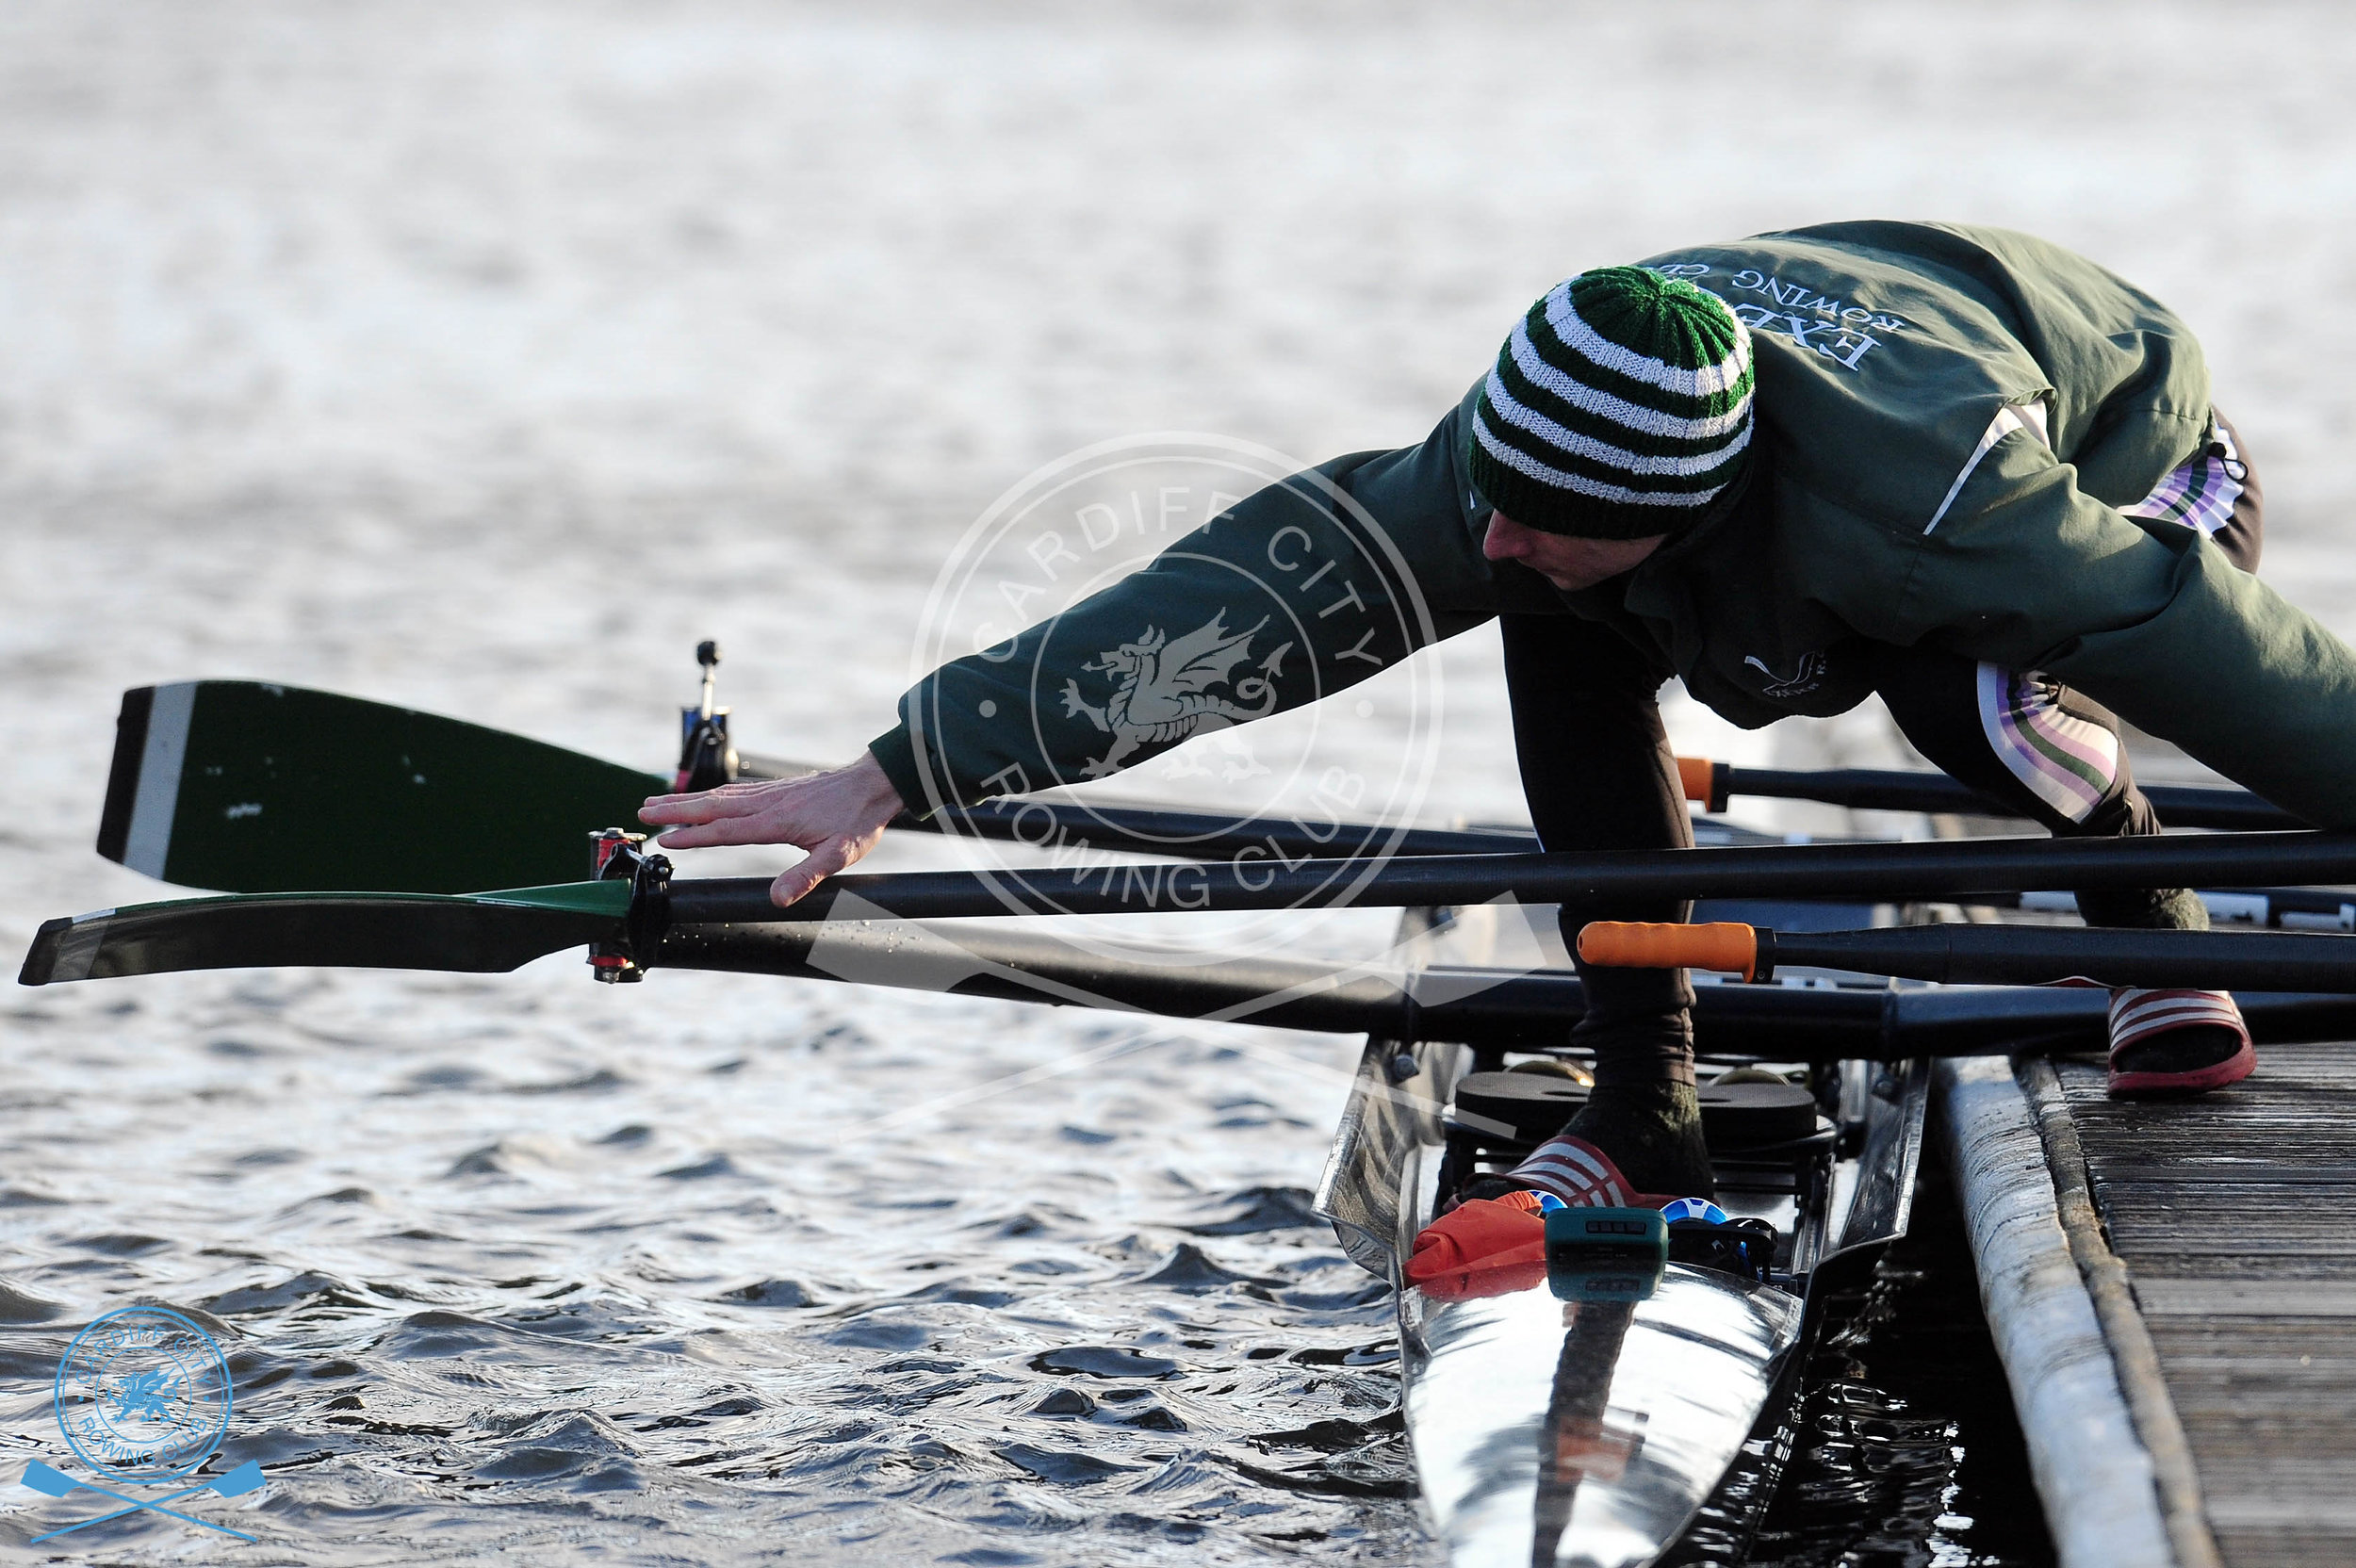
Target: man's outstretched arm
x=1298 y=591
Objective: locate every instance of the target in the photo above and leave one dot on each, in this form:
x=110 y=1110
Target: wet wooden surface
x=2233 y=1216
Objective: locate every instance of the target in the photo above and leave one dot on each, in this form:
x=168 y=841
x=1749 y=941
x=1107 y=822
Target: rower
x=1962 y=468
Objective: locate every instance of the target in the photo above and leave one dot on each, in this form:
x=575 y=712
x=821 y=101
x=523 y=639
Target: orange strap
x=1639 y=944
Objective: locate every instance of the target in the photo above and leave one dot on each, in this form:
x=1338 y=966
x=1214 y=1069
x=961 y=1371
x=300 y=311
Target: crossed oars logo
x=57 y=1484
x=142 y=1397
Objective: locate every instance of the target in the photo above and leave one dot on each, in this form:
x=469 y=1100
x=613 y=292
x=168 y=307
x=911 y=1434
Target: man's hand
x=835 y=816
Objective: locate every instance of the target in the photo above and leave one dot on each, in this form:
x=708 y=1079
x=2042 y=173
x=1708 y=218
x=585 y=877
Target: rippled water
x=1905 y=1449
x=484 y=356
x=693 y=1273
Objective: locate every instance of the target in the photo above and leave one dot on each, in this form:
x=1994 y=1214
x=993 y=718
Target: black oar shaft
x=1950 y=868
x=2030 y=956
x=1070 y=827
x=1062 y=828
x=1059 y=828
x=1014 y=966
x=1175 y=831
x=1890 y=790
x=1495 y=1008
x=1498 y=1009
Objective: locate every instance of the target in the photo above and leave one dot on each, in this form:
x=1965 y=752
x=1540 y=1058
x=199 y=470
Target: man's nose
x=1503 y=542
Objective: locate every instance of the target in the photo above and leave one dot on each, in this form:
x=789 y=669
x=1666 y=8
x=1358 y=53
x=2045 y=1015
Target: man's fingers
x=672 y=809
x=686 y=808
x=724 y=791
x=729 y=800
x=821 y=863
x=728 y=830
x=771 y=828
x=837 y=816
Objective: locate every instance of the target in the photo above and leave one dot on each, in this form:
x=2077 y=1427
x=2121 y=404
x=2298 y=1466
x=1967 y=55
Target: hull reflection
x=1588 y=1432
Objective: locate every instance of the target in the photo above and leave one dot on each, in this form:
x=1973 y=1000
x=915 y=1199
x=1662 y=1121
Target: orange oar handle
x=1639 y=944
x=1705 y=781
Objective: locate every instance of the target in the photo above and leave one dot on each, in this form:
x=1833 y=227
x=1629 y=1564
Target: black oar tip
x=40 y=959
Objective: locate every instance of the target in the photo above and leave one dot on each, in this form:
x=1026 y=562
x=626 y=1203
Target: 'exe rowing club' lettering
x=1811 y=318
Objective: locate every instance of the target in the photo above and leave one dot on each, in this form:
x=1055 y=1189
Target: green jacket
x=1949 y=419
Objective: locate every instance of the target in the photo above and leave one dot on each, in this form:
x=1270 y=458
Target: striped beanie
x=1620 y=407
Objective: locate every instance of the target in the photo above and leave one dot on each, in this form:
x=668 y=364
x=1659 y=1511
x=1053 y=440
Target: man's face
x=1569 y=564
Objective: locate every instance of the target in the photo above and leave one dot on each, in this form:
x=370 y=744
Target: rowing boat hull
x=1585 y=1433
x=1525 y=1455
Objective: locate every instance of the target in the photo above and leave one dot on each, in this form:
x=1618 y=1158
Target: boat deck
x=2233 y=1216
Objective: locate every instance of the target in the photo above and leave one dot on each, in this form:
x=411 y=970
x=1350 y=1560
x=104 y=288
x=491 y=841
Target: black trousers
x=1598 y=774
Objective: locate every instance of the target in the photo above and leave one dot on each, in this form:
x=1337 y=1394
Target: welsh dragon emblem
x=143 y=1395
x=1162 y=689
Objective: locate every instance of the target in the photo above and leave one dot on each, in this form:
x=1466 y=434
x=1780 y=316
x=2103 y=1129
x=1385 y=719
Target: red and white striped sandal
x=2139 y=1015
x=1574 y=1171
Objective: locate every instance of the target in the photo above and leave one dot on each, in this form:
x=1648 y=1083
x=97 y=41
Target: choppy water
x=1905 y=1448
x=560 y=1275
x=484 y=356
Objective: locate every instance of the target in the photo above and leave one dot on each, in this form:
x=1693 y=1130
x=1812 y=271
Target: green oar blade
x=482 y=933
x=255 y=788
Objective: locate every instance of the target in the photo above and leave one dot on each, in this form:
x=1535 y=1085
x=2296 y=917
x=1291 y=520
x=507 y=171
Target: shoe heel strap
x=2139 y=1012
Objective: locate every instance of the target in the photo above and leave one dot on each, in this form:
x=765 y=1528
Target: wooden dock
x=2235 y=1217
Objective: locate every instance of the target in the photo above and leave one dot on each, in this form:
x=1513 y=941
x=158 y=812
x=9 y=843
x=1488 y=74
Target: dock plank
x=2232 y=1214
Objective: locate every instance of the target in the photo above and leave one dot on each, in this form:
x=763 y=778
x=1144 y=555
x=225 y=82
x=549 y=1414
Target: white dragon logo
x=1161 y=688
x=1810 y=675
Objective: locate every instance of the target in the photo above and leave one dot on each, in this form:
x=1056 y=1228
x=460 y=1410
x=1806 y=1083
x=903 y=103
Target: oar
x=1950 y=868
x=250 y=787
x=1713 y=784
x=490 y=932
x=1063 y=828
x=1493 y=1007
x=57 y=1484
x=1496 y=1008
x=1991 y=954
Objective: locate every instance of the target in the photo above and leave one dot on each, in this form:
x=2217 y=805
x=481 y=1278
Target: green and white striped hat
x=1620 y=407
